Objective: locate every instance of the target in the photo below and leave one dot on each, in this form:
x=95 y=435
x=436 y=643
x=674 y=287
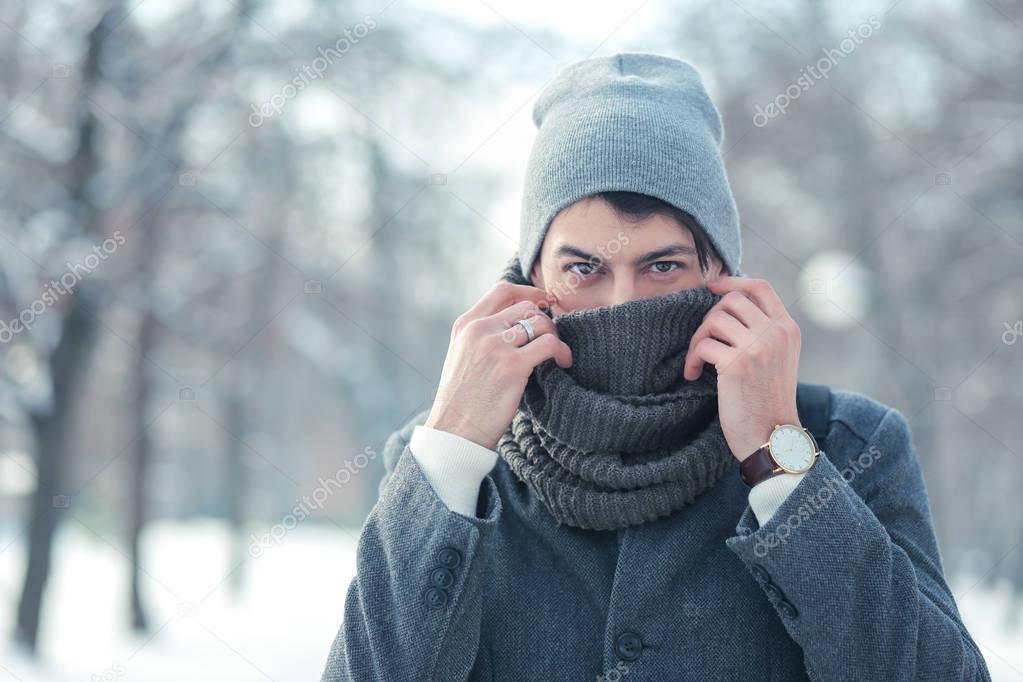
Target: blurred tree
x=904 y=160
x=68 y=360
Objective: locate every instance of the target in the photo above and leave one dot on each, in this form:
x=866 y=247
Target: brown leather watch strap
x=759 y=466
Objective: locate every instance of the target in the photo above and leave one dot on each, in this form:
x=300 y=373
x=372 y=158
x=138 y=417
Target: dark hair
x=635 y=207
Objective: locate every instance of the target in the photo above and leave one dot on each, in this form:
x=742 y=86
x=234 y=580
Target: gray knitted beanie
x=630 y=122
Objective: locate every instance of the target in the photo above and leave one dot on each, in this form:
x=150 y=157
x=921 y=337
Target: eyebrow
x=674 y=250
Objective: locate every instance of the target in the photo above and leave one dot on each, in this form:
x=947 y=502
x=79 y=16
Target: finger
x=721 y=325
x=503 y=294
x=506 y=322
x=516 y=333
x=759 y=291
x=709 y=350
x=503 y=319
x=544 y=347
x=715 y=324
x=745 y=311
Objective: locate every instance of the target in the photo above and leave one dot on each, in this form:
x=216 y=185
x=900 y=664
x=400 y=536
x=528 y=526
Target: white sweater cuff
x=765 y=497
x=454 y=466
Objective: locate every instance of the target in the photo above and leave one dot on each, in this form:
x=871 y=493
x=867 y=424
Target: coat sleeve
x=413 y=609
x=850 y=563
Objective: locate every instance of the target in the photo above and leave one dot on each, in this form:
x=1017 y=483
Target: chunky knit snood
x=620 y=437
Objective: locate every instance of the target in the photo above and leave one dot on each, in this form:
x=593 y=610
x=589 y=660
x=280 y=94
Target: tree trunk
x=53 y=433
x=234 y=476
x=140 y=465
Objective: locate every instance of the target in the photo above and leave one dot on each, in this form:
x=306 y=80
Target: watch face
x=792 y=448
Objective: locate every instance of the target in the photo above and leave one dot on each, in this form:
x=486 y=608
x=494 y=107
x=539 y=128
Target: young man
x=618 y=476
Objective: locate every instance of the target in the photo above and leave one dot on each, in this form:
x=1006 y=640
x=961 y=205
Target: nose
x=624 y=291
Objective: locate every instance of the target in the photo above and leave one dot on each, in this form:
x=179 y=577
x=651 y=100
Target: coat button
x=629 y=646
x=436 y=598
x=760 y=572
x=442 y=577
x=449 y=557
x=787 y=609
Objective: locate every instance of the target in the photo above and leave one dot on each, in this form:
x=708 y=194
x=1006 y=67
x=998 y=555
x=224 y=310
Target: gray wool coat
x=844 y=582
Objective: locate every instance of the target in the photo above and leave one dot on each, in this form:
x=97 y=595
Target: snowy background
x=286 y=241
x=279 y=627
x=281 y=624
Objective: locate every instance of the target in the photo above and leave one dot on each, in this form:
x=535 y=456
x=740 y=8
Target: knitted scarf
x=620 y=438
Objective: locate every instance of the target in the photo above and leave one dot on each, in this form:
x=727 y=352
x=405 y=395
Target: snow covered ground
x=281 y=626
x=279 y=629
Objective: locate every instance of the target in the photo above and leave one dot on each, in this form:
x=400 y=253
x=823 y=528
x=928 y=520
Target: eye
x=661 y=271
x=588 y=268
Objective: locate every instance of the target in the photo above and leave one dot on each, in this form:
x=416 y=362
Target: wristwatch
x=790 y=449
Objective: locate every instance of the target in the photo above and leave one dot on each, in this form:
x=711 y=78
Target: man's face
x=592 y=257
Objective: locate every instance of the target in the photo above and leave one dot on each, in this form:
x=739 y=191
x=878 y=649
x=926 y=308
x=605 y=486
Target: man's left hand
x=753 y=343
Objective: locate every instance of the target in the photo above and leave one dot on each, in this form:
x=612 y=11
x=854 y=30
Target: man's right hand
x=489 y=362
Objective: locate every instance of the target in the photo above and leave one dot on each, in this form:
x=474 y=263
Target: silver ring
x=528 y=326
